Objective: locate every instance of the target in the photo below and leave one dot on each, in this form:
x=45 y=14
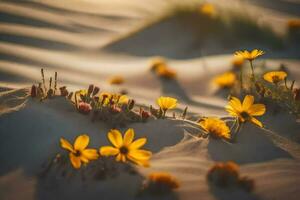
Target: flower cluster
x=267 y=86
x=227 y=175
x=116 y=109
x=42 y=92
x=124 y=148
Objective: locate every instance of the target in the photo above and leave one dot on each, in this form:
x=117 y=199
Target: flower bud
x=33 y=92
x=84 y=108
x=145 y=114
x=115 y=109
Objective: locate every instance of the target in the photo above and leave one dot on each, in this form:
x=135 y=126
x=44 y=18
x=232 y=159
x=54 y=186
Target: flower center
x=77 y=153
x=245 y=115
x=275 y=79
x=124 y=150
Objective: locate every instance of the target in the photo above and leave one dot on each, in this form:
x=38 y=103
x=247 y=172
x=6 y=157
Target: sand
x=88 y=42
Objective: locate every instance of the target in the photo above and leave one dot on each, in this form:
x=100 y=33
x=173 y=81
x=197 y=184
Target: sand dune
x=275 y=168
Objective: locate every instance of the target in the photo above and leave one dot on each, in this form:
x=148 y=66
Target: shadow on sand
x=252 y=146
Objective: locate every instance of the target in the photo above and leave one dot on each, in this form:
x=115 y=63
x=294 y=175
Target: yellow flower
x=82 y=92
x=123 y=99
x=247 y=110
x=215 y=127
x=275 y=76
x=116 y=80
x=165 y=179
x=166 y=103
x=126 y=148
x=79 y=153
x=165 y=72
x=238 y=61
x=225 y=80
x=224 y=173
x=249 y=55
x=156 y=63
x=106 y=97
x=208 y=9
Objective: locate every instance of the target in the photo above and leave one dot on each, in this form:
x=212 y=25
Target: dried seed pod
x=55 y=82
x=90 y=90
x=50 y=83
x=130 y=104
x=40 y=92
x=95 y=91
x=184 y=112
x=50 y=93
x=33 y=92
x=144 y=114
x=63 y=91
x=43 y=79
x=297 y=94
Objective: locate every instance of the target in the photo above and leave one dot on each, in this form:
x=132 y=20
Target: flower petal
x=90 y=154
x=121 y=158
x=231 y=111
x=166 y=103
x=75 y=161
x=257 y=109
x=235 y=103
x=140 y=154
x=115 y=137
x=248 y=102
x=66 y=145
x=84 y=159
x=109 y=151
x=138 y=143
x=128 y=137
x=255 y=121
x=144 y=163
x=81 y=142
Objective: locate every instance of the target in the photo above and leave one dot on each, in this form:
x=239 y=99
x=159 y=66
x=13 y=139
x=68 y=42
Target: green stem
x=164 y=113
x=237 y=130
x=252 y=69
x=241 y=77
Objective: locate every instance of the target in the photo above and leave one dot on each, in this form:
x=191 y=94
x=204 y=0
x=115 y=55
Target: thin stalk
x=237 y=130
x=164 y=113
x=252 y=69
x=241 y=77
